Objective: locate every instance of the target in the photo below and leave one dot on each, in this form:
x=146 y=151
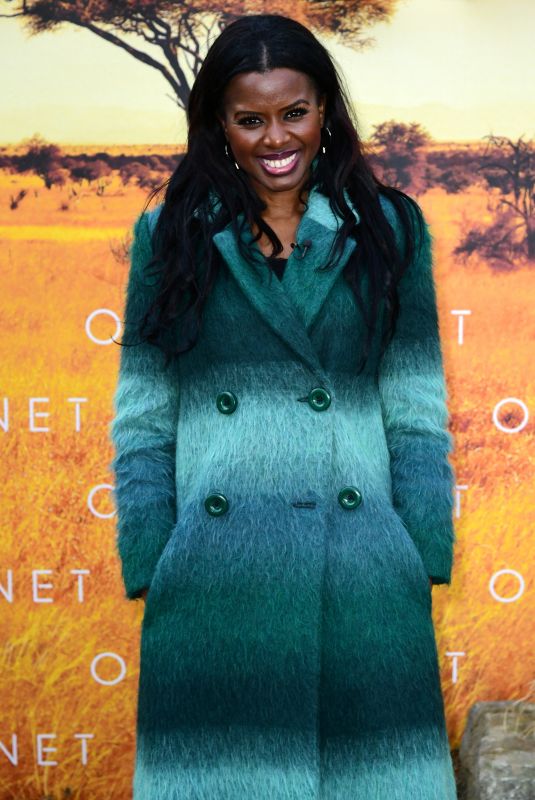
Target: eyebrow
x=295 y=103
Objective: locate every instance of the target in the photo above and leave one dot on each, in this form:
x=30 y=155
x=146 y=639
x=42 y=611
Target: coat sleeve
x=143 y=433
x=414 y=398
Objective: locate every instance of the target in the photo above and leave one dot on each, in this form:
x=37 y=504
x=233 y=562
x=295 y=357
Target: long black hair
x=185 y=257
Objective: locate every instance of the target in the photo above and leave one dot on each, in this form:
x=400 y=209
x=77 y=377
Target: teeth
x=283 y=162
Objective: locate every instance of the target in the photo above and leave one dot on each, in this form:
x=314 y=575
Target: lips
x=281 y=164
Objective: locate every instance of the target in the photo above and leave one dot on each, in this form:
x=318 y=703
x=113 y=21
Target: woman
x=283 y=488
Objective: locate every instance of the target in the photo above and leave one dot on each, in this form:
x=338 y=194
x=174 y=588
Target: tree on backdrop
x=173 y=38
x=400 y=155
x=507 y=170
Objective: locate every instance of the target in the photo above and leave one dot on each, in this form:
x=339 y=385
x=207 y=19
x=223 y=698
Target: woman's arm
x=143 y=433
x=414 y=402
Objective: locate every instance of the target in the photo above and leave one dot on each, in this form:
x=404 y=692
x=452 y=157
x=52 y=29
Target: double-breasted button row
x=319 y=399
x=349 y=498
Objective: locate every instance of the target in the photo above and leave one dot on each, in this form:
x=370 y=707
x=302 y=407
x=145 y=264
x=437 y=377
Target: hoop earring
x=324 y=150
x=228 y=156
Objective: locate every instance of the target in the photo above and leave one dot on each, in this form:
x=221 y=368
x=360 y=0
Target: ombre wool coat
x=286 y=515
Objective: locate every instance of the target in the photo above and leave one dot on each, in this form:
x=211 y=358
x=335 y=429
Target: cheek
x=314 y=138
x=242 y=143
x=311 y=132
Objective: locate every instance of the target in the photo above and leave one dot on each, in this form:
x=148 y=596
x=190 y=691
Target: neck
x=282 y=205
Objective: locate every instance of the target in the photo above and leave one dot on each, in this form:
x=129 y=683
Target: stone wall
x=497 y=752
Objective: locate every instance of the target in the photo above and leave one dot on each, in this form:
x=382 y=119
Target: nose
x=275 y=135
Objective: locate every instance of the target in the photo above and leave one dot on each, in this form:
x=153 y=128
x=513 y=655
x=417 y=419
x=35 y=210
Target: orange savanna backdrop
x=69 y=658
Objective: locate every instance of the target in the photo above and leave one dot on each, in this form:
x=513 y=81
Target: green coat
x=286 y=515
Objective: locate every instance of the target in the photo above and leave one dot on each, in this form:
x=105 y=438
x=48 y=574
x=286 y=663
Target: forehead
x=275 y=88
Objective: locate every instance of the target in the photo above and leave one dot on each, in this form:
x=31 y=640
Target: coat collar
x=291 y=306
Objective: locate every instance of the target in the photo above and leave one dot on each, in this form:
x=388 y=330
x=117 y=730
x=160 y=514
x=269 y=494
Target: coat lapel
x=290 y=307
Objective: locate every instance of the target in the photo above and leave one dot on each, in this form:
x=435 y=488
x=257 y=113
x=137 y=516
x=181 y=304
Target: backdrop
x=92 y=117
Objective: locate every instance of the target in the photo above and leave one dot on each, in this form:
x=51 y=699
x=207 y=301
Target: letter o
x=90 y=497
x=522 y=424
x=108 y=313
x=97 y=677
x=498 y=597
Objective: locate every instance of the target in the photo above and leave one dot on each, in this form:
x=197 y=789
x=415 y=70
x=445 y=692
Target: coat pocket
x=158 y=568
x=423 y=577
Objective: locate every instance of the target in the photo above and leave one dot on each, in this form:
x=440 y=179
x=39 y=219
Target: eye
x=245 y=121
x=300 y=111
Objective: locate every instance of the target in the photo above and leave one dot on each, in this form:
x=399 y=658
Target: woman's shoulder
x=415 y=217
x=390 y=208
x=152 y=217
x=214 y=203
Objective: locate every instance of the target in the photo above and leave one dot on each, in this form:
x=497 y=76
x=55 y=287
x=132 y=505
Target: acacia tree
x=173 y=36
x=399 y=149
x=510 y=167
x=508 y=171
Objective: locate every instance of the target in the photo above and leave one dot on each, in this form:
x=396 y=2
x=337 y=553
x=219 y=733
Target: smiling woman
x=273 y=123
x=284 y=495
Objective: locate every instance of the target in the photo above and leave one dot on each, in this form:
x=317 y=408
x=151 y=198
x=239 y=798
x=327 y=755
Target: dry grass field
x=57 y=267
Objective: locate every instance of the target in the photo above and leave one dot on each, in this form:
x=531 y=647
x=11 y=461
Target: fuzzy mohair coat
x=287 y=644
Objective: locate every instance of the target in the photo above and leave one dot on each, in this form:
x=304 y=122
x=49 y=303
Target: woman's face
x=272 y=122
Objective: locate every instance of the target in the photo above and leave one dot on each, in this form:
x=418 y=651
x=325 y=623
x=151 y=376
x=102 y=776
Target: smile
x=280 y=166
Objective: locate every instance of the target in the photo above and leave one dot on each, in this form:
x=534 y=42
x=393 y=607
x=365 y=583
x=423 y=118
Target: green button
x=216 y=504
x=319 y=399
x=226 y=402
x=349 y=497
